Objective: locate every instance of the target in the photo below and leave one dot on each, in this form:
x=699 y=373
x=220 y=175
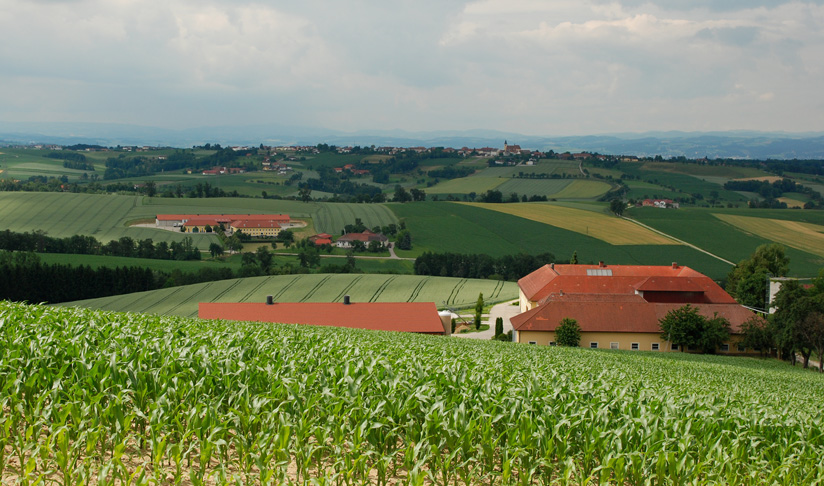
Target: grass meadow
x=703 y=228
x=468 y=228
x=183 y=301
x=602 y=226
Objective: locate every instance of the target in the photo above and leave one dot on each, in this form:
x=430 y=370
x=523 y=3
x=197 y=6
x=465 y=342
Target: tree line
x=38 y=241
x=509 y=267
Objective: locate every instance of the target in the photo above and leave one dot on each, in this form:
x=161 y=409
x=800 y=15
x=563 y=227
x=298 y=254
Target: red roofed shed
x=418 y=317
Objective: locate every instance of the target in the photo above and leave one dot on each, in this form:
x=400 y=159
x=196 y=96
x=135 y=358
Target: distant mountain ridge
x=739 y=144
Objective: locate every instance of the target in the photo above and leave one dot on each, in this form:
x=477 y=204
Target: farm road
x=679 y=241
x=505 y=310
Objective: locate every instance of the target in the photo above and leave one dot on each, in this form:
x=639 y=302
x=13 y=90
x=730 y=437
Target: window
x=533 y=342
x=552 y=343
x=635 y=346
x=741 y=348
x=656 y=346
x=674 y=347
x=725 y=347
x=613 y=345
x=593 y=345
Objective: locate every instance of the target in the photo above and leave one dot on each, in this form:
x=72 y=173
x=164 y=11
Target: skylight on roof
x=599 y=272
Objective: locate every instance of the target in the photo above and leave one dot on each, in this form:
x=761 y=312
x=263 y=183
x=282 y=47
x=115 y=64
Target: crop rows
x=183 y=301
x=92 y=397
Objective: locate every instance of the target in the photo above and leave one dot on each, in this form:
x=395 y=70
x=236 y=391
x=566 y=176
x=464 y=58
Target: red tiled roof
x=624 y=279
x=613 y=315
x=420 y=317
x=322 y=241
x=224 y=217
x=365 y=237
x=244 y=223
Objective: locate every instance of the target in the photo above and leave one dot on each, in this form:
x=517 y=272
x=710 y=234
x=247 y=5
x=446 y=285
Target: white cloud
x=524 y=65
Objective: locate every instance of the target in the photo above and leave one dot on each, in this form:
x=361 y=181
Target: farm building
x=347 y=240
x=619 y=306
x=196 y=223
x=417 y=317
x=320 y=239
x=257 y=228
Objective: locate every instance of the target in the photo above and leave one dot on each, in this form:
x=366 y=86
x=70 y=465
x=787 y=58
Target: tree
x=617 y=206
x=151 y=188
x=685 y=327
x=574 y=259
x=499 y=326
x=404 y=240
x=417 y=194
x=747 y=282
x=757 y=335
x=264 y=256
x=479 y=309
x=215 y=249
x=305 y=194
x=681 y=326
x=714 y=333
x=287 y=237
x=568 y=333
x=401 y=195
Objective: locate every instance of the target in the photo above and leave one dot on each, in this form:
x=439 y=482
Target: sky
x=536 y=67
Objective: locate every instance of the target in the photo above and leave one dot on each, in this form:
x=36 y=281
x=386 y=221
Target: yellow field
x=611 y=229
x=583 y=190
x=791 y=203
x=803 y=236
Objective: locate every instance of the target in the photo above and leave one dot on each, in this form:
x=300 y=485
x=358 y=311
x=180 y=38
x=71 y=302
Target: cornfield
x=91 y=397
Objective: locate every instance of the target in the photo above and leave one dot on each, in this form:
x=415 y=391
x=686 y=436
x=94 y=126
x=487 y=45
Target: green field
x=106 y=217
x=465 y=185
x=135 y=399
x=183 y=301
x=97 y=261
x=463 y=228
x=539 y=187
x=702 y=228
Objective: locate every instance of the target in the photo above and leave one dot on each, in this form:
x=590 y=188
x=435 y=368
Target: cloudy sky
x=537 y=67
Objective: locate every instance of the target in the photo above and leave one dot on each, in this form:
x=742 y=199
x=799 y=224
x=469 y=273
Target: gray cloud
x=521 y=65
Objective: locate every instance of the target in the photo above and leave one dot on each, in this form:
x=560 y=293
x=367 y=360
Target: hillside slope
x=173 y=398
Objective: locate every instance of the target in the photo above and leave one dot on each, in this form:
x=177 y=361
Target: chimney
x=269 y=300
x=560 y=293
x=345 y=300
x=674 y=264
x=552 y=266
x=601 y=264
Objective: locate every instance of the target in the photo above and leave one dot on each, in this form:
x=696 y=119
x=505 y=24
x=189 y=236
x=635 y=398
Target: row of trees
x=38 y=241
x=509 y=267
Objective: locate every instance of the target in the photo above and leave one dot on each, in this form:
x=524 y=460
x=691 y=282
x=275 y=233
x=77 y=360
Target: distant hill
x=732 y=144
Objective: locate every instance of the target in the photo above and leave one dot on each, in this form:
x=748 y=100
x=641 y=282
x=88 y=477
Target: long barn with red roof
x=619 y=306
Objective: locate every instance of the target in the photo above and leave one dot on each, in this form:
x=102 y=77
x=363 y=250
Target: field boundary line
x=382 y=287
x=346 y=289
x=283 y=289
x=417 y=290
x=678 y=240
x=315 y=288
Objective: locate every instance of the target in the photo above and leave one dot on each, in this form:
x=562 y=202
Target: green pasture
x=97 y=261
x=646 y=190
x=700 y=227
x=462 y=228
x=183 y=301
x=538 y=187
x=465 y=185
x=107 y=217
x=24 y=163
x=699 y=170
x=687 y=184
x=543 y=166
